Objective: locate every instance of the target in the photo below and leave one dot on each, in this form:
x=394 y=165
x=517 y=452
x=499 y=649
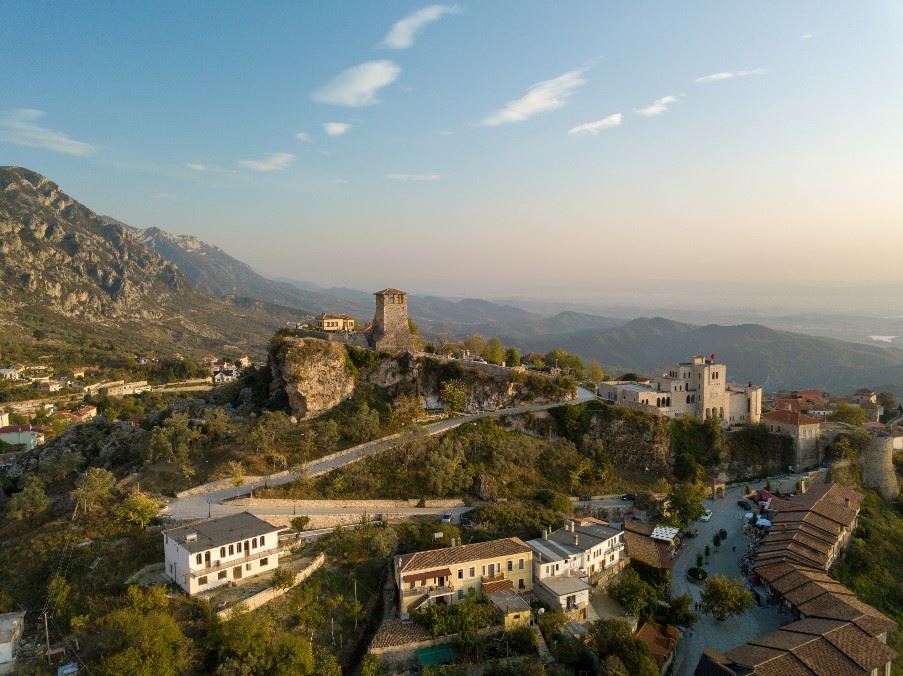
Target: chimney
x=545 y=533
x=846 y=501
x=576 y=539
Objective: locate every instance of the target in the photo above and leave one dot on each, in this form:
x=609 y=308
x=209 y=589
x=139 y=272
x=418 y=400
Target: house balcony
x=496 y=577
x=225 y=564
x=429 y=590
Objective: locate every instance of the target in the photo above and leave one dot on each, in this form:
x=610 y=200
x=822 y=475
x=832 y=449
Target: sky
x=495 y=148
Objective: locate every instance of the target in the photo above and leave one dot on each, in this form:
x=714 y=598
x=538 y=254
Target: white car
x=707 y=515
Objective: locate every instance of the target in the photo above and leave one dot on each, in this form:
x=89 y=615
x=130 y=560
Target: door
x=491 y=570
x=236 y=573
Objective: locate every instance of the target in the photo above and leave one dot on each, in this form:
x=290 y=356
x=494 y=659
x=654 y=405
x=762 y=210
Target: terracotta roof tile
x=449 y=556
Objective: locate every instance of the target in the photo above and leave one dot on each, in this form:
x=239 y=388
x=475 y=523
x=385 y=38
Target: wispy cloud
x=806 y=36
x=404 y=32
x=445 y=132
x=196 y=166
x=540 y=97
x=730 y=75
x=20 y=126
x=657 y=107
x=358 y=85
x=271 y=162
x=166 y=196
x=336 y=128
x=593 y=128
x=413 y=177
x=302 y=136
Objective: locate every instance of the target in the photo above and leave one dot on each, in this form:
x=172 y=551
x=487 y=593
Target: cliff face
x=314 y=374
x=317 y=375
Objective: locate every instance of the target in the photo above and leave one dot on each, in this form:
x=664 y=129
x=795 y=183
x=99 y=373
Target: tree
x=299 y=523
x=30 y=501
x=139 y=508
x=849 y=414
x=888 y=400
x=292 y=655
x=363 y=424
x=327 y=664
x=723 y=597
x=678 y=612
x=611 y=636
x=494 y=353
x=269 y=425
x=685 y=504
x=93 y=488
x=635 y=595
x=370 y=666
x=143 y=644
x=454 y=395
x=283 y=578
x=512 y=357
x=716 y=540
x=237 y=472
x=57 y=595
x=216 y=423
x=474 y=344
x=596 y=374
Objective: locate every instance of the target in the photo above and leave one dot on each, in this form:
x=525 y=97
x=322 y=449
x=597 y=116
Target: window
x=231 y=550
x=261 y=540
x=202 y=580
x=197 y=559
x=483 y=570
x=460 y=594
x=520 y=564
x=460 y=573
x=473 y=571
x=510 y=565
x=222 y=552
x=222 y=575
x=248 y=566
x=254 y=543
x=521 y=584
x=264 y=562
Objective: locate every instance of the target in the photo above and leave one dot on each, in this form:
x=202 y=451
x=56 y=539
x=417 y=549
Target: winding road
x=202 y=504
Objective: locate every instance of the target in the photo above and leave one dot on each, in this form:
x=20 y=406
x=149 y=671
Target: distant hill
x=752 y=352
x=67 y=270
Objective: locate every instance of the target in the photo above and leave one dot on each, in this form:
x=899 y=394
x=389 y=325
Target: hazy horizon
x=713 y=155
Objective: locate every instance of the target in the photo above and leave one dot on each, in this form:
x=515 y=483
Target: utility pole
x=47 y=634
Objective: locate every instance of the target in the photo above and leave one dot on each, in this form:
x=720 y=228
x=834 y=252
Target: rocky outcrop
x=314 y=374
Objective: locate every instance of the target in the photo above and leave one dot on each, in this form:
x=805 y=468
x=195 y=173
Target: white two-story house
x=565 y=561
x=212 y=553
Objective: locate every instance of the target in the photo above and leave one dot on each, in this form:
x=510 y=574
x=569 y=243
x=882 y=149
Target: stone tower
x=878 y=466
x=391 y=331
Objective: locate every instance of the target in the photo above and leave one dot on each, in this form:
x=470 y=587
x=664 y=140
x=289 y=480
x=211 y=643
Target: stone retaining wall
x=268 y=595
x=365 y=506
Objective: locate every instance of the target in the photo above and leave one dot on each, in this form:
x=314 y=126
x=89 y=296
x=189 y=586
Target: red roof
x=20 y=428
x=790 y=418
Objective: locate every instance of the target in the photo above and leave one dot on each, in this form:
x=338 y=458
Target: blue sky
x=478 y=148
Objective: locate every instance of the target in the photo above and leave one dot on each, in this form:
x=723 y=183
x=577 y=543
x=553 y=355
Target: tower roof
x=390 y=292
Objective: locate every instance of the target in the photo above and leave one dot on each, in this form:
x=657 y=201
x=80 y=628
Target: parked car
x=706 y=516
x=447 y=517
x=744 y=504
x=628 y=496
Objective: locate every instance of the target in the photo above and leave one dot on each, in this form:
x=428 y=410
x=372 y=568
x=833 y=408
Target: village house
x=448 y=575
x=12 y=373
x=11 y=627
x=330 y=323
x=696 y=388
x=4 y=419
x=662 y=643
x=28 y=436
x=122 y=389
x=653 y=546
x=802 y=429
x=50 y=386
x=225 y=376
x=85 y=413
x=212 y=553
x=565 y=561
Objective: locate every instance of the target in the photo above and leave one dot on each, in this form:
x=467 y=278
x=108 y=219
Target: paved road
x=202 y=505
x=721 y=636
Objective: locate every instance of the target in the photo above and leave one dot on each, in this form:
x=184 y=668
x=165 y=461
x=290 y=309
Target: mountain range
x=65 y=266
